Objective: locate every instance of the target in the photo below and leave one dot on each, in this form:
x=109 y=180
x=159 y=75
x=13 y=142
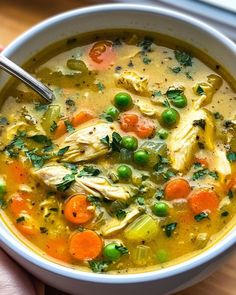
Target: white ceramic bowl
x=164 y=281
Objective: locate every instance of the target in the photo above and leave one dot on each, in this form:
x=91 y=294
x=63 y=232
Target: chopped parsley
x=121 y=214
x=105 y=140
x=231 y=156
x=157 y=93
x=173 y=93
x=94 y=200
x=70 y=102
x=3 y=203
x=15 y=146
x=69 y=127
x=218 y=116
x=100 y=86
x=115 y=144
x=98 y=266
x=189 y=75
x=225 y=213
x=230 y=194
x=159 y=194
x=62 y=151
x=201 y=216
x=107 y=117
x=184 y=58
x=68 y=180
x=41 y=107
x=123 y=250
x=176 y=70
x=201 y=173
x=170 y=228
x=146 y=60
x=37 y=160
x=163 y=169
x=3 y=121
x=145 y=44
x=200 y=90
x=43 y=230
x=42 y=139
x=89 y=171
x=140 y=201
x=20 y=219
x=201 y=123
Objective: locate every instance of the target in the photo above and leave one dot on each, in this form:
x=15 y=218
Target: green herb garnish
x=89 y=171
x=20 y=219
x=176 y=70
x=170 y=228
x=201 y=123
x=231 y=156
x=184 y=58
x=69 y=127
x=62 y=151
x=68 y=180
x=99 y=266
x=121 y=214
x=201 y=216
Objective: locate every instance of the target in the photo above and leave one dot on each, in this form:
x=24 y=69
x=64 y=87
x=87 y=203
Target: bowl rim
x=12 y=243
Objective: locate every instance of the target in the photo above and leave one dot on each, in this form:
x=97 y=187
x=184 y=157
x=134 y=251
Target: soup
x=132 y=166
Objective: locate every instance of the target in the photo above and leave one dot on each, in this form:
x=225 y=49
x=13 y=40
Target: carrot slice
x=144 y=129
x=17 y=172
x=203 y=200
x=19 y=203
x=101 y=55
x=60 y=130
x=81 y=117
x=76 y=210
x=27 y=229
x=202 y=161
x=58 y=248
x=85 y=245
x=178 y=188
x=128 y=122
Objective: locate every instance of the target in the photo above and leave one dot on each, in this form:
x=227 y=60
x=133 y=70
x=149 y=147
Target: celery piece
x=141 y=255
x=50 y=118
x=3 y=186
x=144 y=228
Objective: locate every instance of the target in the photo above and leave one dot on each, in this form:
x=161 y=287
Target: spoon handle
x=21 y=74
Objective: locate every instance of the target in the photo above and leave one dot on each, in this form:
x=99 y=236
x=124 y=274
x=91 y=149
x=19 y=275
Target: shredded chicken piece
x=85 y=143
x=209 y=88
x=100 y=187
x=183 y=143
x=133 y=82
x=114 y=225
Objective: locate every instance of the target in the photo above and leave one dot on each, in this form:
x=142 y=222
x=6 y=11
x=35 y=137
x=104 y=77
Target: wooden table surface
x=16 y=16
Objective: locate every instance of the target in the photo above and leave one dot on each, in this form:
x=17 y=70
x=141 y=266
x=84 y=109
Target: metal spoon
x=16 y=71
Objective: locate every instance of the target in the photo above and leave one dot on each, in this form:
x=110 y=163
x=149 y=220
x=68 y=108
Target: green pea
x=123 y=100
x=163 y=134
x=111 y=252
x=180 y=101
x=170 y=117
x=162 y=255
x=113 y=112
x=129 y=142
x=141 y=157
x=160 y=209
x=124 y=171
